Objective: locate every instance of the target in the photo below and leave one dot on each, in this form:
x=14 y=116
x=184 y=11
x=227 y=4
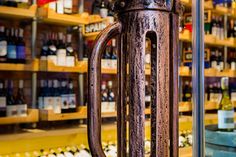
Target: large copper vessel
x=138 y=20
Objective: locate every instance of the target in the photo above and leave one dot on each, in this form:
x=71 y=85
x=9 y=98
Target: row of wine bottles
x=213 y=92
x=58 y=49
x=109 y=57
x=107 y=97
x=109 y=148
x=58 y=96
x=12 y=45
x=215 y=59
x=12 y=104
x=64 y=6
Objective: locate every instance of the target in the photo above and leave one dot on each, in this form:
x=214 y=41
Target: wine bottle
x=226 y=109
x=111 y=97
x=104 y=94
x=213 y=26
x=187 y=92
x=61 y=51
x=230 y=33
x=11 y=47
x=56 y=97
x=147 y=95
x=68 y=5
x=96 y=7
x=64 y=97
x=20 y=47
x=70 y=55
x=48 y=98
x=20 y=101
x=71 y=97
x=52 y=6
x=220 y=61
x=41 y=94
x=210 y=93
x=51 y=55
x=11 y=103
x=44 y=50
x=3 y=45
x=103 y=9
x=60 y=7
x=213 y=59
x=3 y=100
x=113 y=54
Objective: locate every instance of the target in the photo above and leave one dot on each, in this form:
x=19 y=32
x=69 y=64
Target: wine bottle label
x=225 y=119
x=233 y=96
x=48 y=103
x=233 y=66
x=40 y=103
x=3 y=48
x=52 y=58
x=214 y=64
x=20 y=51
x=11 y=51
x=112 y=106
x=70 y=61
x=105 y=106
x=65 y=101
x=11 y=110
x=52 y=5
x=22 y=110
x=61 y=57
x=148 y=98
x=103 y=12
x=72 y=101
x=57 y=105
x=214 y=31
x=68 y=6
x=60 y=8
x=221 y=66
x=3 y=102
x=105 y=63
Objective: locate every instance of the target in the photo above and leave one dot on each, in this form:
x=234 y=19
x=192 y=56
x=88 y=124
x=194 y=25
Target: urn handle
x=94 y=88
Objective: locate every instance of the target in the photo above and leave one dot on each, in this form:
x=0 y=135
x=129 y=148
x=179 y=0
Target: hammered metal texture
x=133 y=29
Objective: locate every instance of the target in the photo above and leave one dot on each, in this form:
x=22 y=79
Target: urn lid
x=165 y=5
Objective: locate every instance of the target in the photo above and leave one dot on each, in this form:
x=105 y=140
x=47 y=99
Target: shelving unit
x=32 y=117
x=18 y=13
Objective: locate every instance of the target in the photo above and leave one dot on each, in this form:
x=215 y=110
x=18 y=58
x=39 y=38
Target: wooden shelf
x=49 y=66
x=210 y=72
x=18 y=13
x=49 y=115
x=32 y=117
x=29 y=66
x=50 y=16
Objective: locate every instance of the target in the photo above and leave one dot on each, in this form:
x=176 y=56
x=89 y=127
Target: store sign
x=95 y=27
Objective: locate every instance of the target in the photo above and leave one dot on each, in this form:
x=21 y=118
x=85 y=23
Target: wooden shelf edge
x=48 y=66
x=32 y=65
x=18 y=12
x=31 y=117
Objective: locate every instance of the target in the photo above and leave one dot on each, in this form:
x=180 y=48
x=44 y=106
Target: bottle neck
x=225 y=92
